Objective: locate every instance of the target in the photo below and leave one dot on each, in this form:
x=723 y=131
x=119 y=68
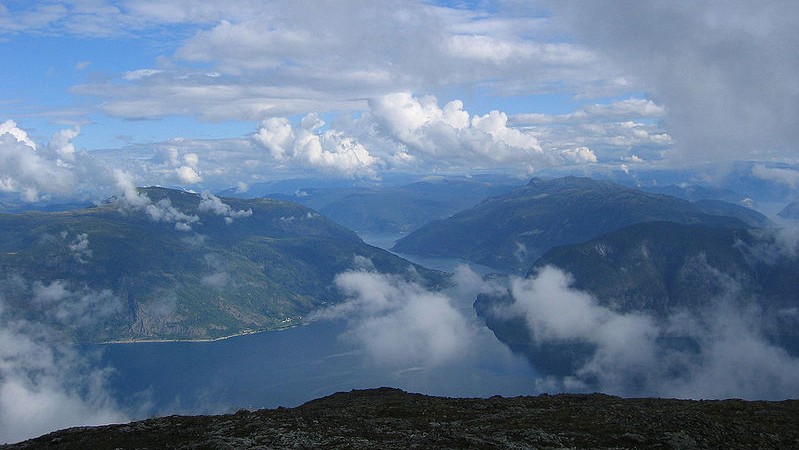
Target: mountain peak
x=509 y=232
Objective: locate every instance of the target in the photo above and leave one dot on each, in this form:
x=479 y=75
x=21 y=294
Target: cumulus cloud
x=413 y=132
x=307 y=145
x=614 y=132
x=172 y=162
x=430 y=132
x=188 y=175
x=628 y=353
x=61 y=145
x=399 y=323
x=27 y=171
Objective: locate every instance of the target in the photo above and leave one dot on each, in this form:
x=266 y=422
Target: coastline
x=221 y=338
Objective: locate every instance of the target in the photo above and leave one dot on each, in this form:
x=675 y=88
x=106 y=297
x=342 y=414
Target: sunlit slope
x=115 y=273
x=511 y=231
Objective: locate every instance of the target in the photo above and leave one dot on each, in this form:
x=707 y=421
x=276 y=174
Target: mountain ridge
x=177 y=265
x=388 y=418
x=511 y=231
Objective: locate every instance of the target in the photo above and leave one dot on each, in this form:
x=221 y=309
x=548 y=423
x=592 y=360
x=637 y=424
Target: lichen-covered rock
x=391 y=419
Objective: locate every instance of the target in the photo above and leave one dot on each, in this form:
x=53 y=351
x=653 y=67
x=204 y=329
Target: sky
x=206 y=96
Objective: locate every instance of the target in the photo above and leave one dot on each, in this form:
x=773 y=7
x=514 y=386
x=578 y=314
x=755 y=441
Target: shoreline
x=221 y=338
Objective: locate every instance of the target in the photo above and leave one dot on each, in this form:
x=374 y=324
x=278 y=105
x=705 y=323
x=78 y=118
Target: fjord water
x=292 y=366
x=287 y=368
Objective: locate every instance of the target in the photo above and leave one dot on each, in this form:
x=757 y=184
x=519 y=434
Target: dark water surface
x=288 y=368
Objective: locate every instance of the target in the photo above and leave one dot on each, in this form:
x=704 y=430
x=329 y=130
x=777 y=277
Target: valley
x=171 y=286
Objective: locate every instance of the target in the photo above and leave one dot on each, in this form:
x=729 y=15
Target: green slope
x=110 y=273
x=511 y=231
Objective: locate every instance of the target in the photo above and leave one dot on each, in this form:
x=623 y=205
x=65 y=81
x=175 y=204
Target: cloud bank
x=45 y=384
x=633 y=354
x=717 y=351
x=399 y=323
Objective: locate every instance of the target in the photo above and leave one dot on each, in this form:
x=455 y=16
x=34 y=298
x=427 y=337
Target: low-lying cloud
x=130 y=199
x=46 y=384
x=399 y=323
x=633 y=353
x=719 y=350
x=211 y=203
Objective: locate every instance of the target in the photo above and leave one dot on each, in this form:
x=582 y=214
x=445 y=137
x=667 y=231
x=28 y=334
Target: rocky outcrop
x=391 y=419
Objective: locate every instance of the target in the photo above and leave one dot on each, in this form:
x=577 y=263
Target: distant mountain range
x=178 y=265
x=393 y=209
x=511 y=231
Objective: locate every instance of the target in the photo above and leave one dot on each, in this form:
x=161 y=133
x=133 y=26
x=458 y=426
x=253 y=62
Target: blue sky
x=201 y=95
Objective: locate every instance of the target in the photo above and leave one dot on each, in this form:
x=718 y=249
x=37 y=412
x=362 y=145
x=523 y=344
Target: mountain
x=397 y=209
x=790 y=211
x=661 y=267
x=513 y=230
x=177 y=265
x=662 y=270
x=695 y=192
x=391 y=419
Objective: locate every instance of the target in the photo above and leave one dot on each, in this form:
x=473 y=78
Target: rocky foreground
x=389 y=418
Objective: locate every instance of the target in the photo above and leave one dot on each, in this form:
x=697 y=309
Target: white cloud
x=556 y=312
x=216 y=280
x=188 y=175
x=61 y=145
x=399 y=323
x=292 y=58
x=27 y=171
x=211 y=203
x=450 y=137
x=140 y=73
x=307 y=145
x=131 y=200
x=80 y=248
x=630 y=354
x=784 y=176
x=45 y=384
x=81 y=308
x=612 y=131
x=772 y=244
x=619 y=111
